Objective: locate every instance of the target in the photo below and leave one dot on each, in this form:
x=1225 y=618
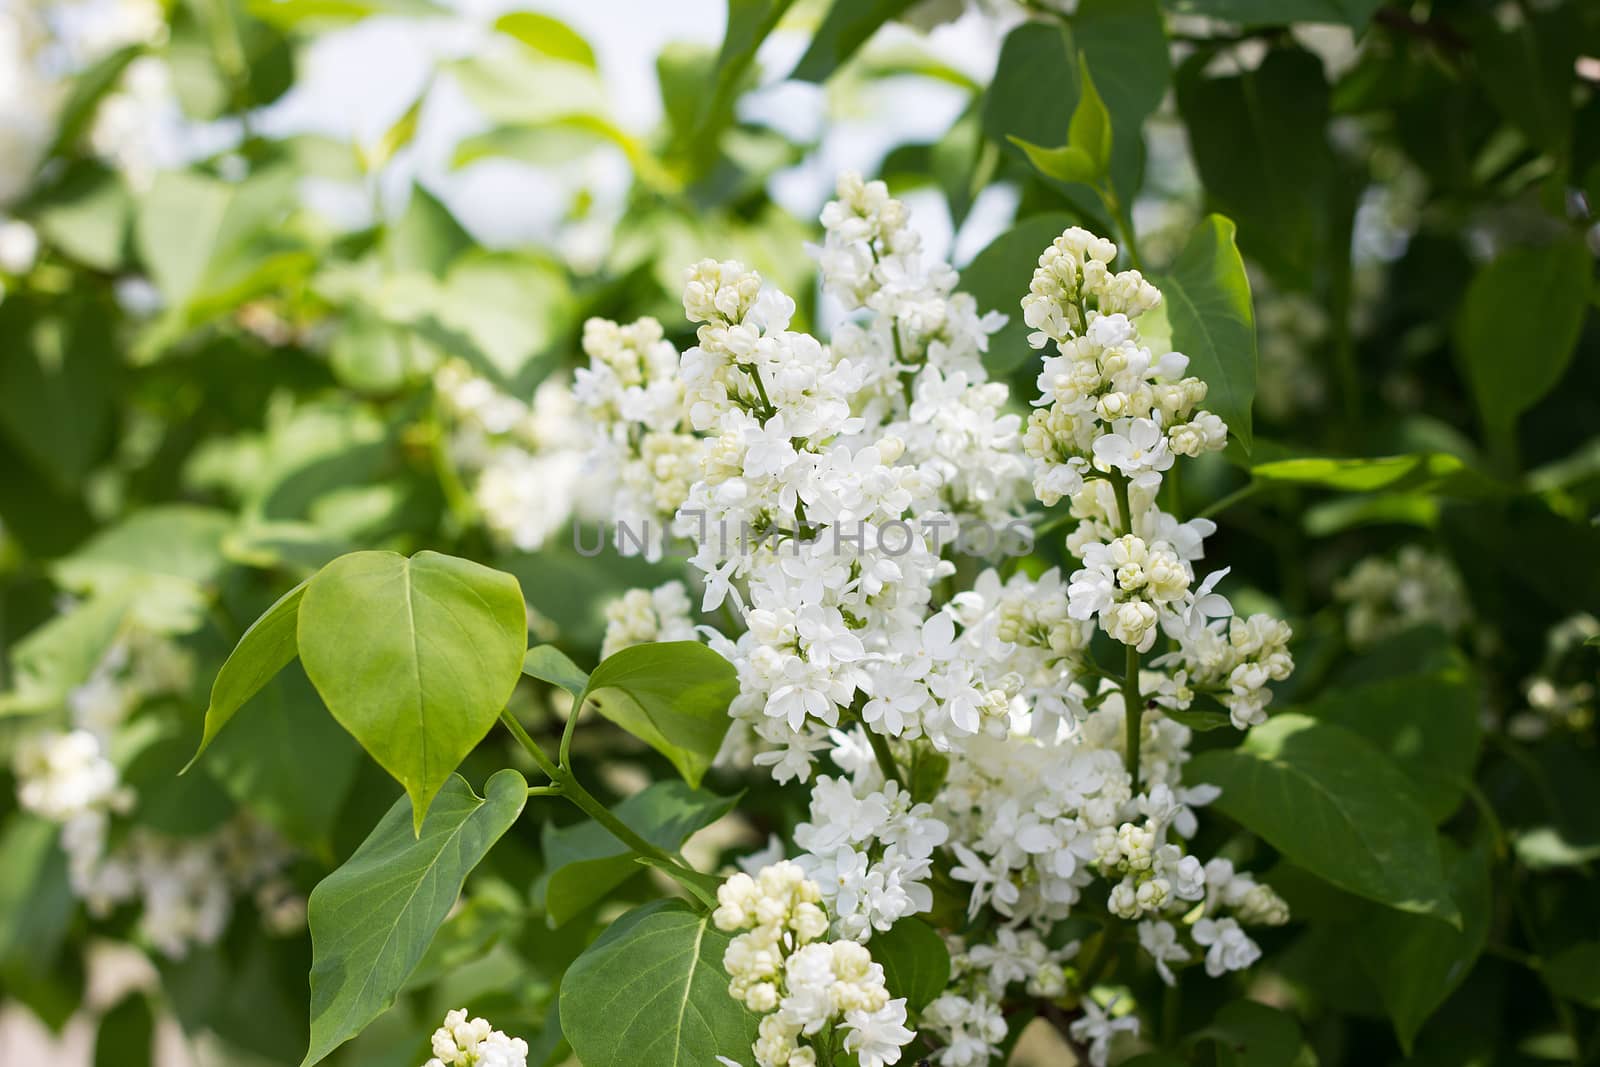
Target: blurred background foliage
x=286 y=278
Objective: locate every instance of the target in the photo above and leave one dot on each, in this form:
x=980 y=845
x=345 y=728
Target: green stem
x=544 y=791
x=563 y=783
x=880 y=749
x=1244 y=492
x=531 y=746
x=1123 y=217
x=1133 y=713
x=1133 y=701
x=1102 y=957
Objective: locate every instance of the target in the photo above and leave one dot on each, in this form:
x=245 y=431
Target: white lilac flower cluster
x=807 y=990
x=1106 y=400
x=641 y=615
x=829 y=508
x=463 y=1042
x=185 y=887
x=871 y=850
x=525 y=459
x=1385 y=597
x=1561 y=695
x=641 y=445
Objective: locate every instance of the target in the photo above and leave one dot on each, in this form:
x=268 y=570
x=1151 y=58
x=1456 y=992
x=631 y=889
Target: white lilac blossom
x=184 y=888
x=526 y=460
x=1384 y=597
x=641 y=615
x=831 y=496
x=463 y=1042
x=801 y=985
x=1561 y=694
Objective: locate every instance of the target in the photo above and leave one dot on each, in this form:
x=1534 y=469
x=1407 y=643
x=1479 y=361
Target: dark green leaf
x=265 y=649
x=57 y=375
x=848 y=25
x=1417 y=963
x=1574 y=973
x=127 y=1034
x=415 y=657
x=1250 y=1034
x=1335 y=805
x=916 y=963
x=1125 y=44
x=287 y=761
x=584 y=862
x=36 y=901
x=1519 y=326
x=1259 y=142
x=998 y=278
x=1428 y=722
x=1352 y=13
x=652 y=991
x=373 y=918
x=1208 y=307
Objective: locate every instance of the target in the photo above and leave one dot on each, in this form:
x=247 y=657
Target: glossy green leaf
x=1068 y=163
x=1125 y=43
x=1431 y=472
x=998 y=278
x=548 y=36
x=290 y=14
x=373 y=918
x=426 y=237
x=847 y=26
x=672 y=695
x=1246 y=1033
x=1427 y=720
x=583 y=862
x=1035 y=87
x=1574 y=973
x=36 y=901
x=1416 y=963
x=1352 y=13
x=1260 y=145
x=1208 y=306
x=549 y=664
x=265 y=649
x=89 y=87
x=1519 y=326
x=61 y=654
x=58 y=374
x=88 y=214
x=1526 y=71
x=1335 y=805
x=916 y=963
x=415 y=657
x=652 y=990
x=1089 y=131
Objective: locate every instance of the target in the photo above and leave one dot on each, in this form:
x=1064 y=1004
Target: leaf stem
x=544 y=791
x=1244 y=492
x=885 y=757
x=563 y=783
x=531 y=746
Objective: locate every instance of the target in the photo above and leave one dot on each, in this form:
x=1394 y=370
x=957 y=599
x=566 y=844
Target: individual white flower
x=1097 y=1028
x=1137 y=448
x=1160 y=940
x=1228 y=948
